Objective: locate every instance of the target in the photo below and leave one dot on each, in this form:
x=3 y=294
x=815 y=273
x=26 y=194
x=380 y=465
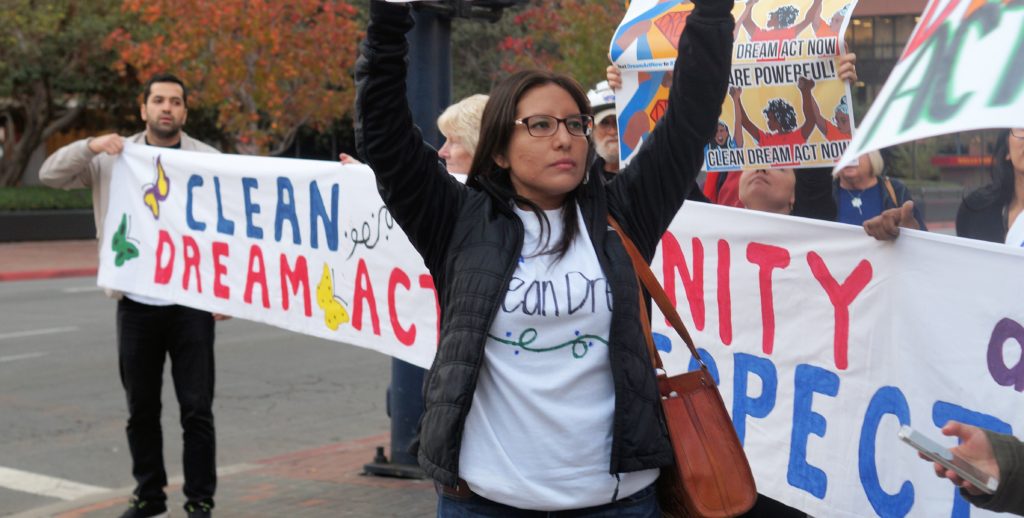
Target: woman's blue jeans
x=642 y=504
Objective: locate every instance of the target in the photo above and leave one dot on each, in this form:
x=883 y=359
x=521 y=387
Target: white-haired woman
x=460 y=125
x=862 y=191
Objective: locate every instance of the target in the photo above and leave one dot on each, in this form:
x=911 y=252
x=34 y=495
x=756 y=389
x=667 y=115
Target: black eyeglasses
x=546 y=125
x=1017 y=132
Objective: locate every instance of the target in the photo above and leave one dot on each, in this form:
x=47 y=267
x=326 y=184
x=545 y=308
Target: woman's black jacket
x=981 y=216
x=470 y=241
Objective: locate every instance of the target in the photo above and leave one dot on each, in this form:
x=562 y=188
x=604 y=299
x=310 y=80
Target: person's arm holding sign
x=673 y=152
x=111 y=144
x=886 y=226
x=1000 y=455
x=417 y=189
x=347 y=159
x=614 y=77
x=71 y=167
x=848 y=67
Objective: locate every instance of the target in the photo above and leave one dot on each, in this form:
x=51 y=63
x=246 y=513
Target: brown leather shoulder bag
x=711 y=477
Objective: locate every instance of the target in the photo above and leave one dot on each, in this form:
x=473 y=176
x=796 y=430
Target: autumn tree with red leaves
x=568 y=36
x=267 y=68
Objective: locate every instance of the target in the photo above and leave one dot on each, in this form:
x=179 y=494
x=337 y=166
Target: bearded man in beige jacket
x=149 y=329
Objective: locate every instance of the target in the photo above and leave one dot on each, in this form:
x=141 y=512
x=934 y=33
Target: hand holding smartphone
x=934 y=451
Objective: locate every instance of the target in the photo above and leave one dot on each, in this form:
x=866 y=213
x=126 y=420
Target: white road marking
x=15 y=357
x=47 y=486
x=37 y=332
x=89 y=493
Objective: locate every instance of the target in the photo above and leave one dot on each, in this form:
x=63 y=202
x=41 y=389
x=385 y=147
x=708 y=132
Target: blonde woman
x=460 y=125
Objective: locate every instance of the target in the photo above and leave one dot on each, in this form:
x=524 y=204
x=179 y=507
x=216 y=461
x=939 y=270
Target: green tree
x=52 y=68
x=266 y=68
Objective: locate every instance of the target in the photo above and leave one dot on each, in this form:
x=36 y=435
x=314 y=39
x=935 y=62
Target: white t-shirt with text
x=539 y=433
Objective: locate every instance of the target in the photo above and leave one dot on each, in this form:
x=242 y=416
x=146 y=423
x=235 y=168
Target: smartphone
x=936 y=452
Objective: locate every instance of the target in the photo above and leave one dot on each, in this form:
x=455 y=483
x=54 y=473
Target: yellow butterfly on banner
x=335 y=313
x=157 y=192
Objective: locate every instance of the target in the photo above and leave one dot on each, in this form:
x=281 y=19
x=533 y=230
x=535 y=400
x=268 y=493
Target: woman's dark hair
x=1000 y=190
x=496 y=129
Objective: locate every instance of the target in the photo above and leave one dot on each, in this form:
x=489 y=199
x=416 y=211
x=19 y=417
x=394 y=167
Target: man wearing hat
x=606 y=135
x=606 y=131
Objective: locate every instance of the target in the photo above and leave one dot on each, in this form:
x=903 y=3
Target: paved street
x=297 y=417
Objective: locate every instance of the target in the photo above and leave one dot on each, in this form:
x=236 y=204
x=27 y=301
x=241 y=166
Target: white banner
x=304 y=245
x=826 y=341
x=960 y=71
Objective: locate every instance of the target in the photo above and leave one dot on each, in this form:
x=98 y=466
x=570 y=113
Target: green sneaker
x=145 y=509
x=198 y=510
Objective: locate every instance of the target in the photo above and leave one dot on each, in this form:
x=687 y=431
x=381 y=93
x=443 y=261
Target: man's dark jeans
x=145 y=336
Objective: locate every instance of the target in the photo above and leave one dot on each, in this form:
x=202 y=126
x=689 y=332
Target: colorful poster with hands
x=786 y=105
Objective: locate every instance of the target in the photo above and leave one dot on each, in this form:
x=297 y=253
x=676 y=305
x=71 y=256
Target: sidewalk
x=322 y=482
x=47 y=259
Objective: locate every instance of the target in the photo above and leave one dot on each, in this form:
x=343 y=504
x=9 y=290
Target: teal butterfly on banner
x=122 y=245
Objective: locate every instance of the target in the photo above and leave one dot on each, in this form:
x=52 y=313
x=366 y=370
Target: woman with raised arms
x=542 y=396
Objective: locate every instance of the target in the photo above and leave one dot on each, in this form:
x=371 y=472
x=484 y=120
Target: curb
x=47 y=274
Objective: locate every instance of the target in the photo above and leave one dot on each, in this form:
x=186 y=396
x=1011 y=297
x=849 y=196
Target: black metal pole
x=429 y=93
x=430 y=71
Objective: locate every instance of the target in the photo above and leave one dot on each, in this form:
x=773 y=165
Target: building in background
x=878 y=33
